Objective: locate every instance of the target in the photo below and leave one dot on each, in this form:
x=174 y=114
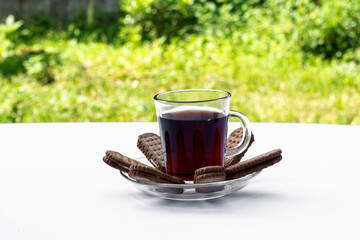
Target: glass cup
x=193 y=127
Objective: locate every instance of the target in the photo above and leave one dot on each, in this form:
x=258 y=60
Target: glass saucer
x=190 y=191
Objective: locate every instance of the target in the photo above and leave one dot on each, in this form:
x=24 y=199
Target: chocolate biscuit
x=114 y=164
x=208 y=169
x=253 y=165
x=234 y=138
x=150 y=146
x=151 y=174
x=146 y=177
x=232 y=141
x=210 y=177
x=209 y=174
x=119 y=161
x=254 y=169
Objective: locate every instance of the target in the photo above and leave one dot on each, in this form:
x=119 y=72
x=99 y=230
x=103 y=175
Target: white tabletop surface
x=54 y=185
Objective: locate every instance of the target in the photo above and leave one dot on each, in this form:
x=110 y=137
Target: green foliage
x=283 y=61
x=99 y=26
x=331 y=29
x=156 y=19
x=177 y=19
x=325 y=28
x=14 y=60
x=7 y=34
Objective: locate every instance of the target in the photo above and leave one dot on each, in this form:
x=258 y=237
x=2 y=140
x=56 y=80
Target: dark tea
x=192 y=139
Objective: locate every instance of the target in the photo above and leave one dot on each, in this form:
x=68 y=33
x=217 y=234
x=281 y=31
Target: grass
x=55 y=77
x=100 y=82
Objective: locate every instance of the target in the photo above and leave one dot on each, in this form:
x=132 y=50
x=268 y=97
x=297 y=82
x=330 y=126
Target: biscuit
x=232 y=141
x=254 y=164
x=254 y=169
x=150 y=174
x=115 y=165
x=146 y=177
x=210 y=177
x=119 y=161
x=208 y=169
x=234 y=138
x=209 y=174
x=150 y=146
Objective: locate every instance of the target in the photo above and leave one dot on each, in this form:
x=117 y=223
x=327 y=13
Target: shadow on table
x=234 y=202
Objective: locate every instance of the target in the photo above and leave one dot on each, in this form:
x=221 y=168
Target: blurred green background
x=283 y=61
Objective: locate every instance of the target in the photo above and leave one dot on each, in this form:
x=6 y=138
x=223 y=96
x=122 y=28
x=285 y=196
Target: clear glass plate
x=190 y=191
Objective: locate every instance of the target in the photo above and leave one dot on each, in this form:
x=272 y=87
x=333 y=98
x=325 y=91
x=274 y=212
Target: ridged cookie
x=254 y=164
x=119 y=161
x=232 y=141
x=150 y=146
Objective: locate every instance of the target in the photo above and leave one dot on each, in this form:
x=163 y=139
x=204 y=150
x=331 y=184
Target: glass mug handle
x=245 y=141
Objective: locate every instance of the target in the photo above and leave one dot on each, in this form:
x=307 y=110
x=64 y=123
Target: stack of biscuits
x=150 y=146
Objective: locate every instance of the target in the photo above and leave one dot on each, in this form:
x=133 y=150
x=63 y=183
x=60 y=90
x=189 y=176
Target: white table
x=54 y=185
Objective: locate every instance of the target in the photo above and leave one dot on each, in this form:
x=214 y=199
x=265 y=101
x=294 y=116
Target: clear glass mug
x=193 y=127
